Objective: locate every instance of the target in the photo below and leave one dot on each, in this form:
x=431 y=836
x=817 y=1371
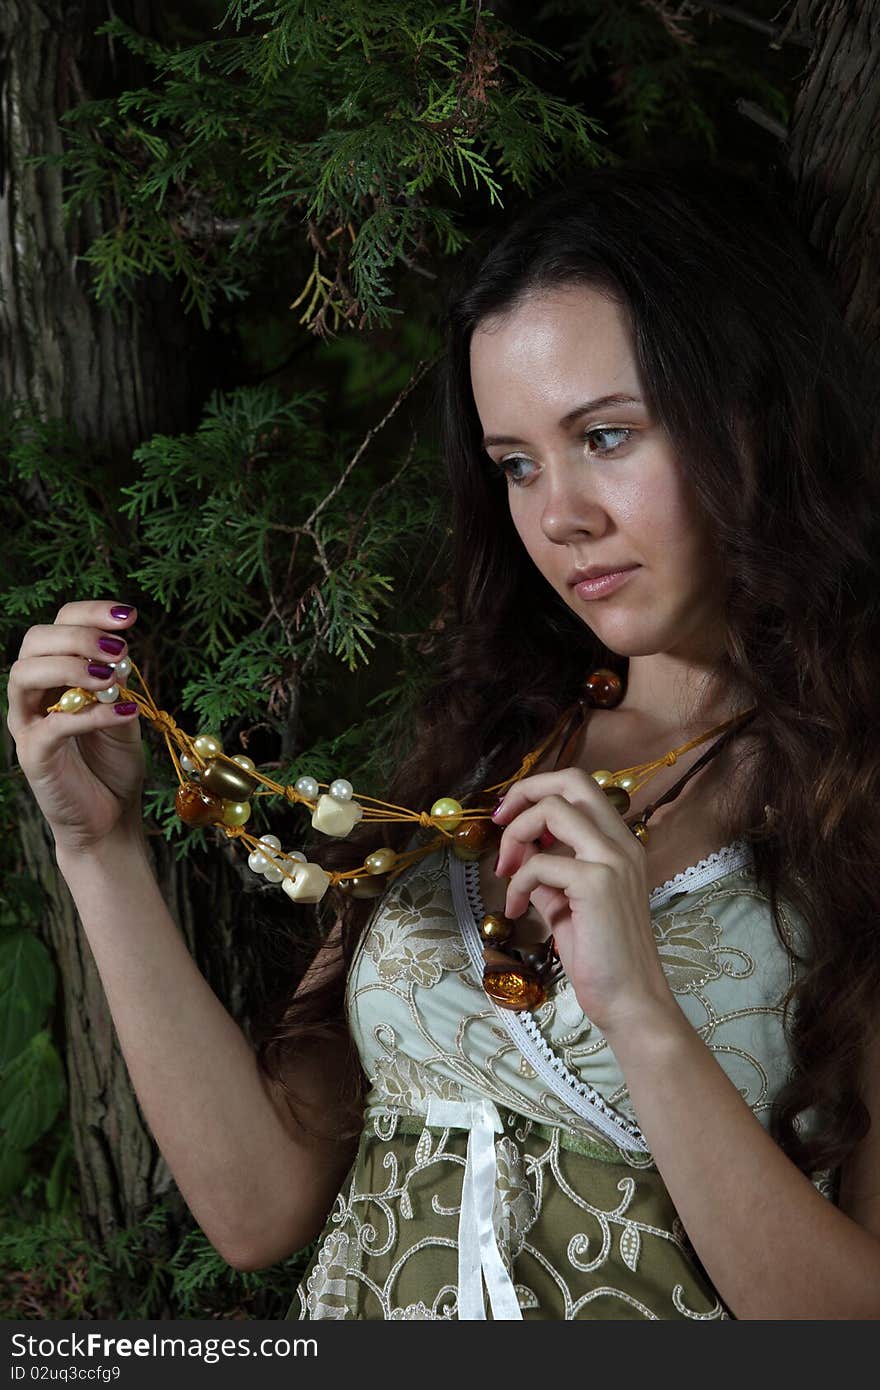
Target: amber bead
x=604 y=688
x=513 y=988
x=618 y=797
x=197 y=807
x=470 y=838
x=496 y=928
x=225 y=778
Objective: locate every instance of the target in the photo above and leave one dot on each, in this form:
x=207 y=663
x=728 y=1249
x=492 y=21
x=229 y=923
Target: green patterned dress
x=501 y=1173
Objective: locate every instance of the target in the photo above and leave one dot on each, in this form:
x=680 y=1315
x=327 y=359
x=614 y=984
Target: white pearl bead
x=122 y=668
x=257 y=861
x=187 y=763
x=273 y=873
x=108 y=696
x=272 y=840
x=306 y=786
x=298 y=855
x=244 y=761
x=341 y=790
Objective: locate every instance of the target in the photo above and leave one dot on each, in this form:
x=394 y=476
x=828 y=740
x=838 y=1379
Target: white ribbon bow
x=478 y=1254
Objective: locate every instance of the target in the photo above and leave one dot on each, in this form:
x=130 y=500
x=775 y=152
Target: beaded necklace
x=216 y=789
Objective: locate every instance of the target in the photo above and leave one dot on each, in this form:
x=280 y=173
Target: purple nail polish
x=100 y=671
x=113 y=645
x=121 y=611
x=125 y=707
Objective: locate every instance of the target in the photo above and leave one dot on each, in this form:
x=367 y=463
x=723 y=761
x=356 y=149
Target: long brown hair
x=746 y=362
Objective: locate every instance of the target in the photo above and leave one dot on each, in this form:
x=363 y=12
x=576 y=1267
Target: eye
x=504 y=467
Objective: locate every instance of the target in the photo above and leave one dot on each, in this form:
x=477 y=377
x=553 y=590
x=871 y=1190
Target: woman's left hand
x=594 y=900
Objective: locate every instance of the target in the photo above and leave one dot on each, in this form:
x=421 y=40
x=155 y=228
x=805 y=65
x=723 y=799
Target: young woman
x=647 y=375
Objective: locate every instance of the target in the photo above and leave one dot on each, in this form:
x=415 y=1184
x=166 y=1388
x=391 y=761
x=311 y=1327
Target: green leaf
x=27 y=988
x=31 y=1092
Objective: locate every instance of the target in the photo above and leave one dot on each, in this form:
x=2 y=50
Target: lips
x=597 y=572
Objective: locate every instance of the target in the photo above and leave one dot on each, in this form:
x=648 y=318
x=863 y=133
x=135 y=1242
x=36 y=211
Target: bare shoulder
x=860 y=1174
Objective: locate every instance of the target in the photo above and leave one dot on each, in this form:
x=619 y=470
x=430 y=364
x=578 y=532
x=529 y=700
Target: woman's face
x=598 y=487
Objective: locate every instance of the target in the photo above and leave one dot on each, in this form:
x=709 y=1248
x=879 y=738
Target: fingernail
x=546 y=839
x=100 y=671
x=498 y=808
x=126 y=707
x=113 y=645
x=121 y=611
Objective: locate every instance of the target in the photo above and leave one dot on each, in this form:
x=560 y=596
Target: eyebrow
x=588 y=408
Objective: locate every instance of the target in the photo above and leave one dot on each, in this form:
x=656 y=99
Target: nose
x=569 y=509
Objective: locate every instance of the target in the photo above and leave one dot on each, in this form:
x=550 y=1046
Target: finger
x=577 y=879
x=91 y=643
x=571 y=825
x=34 y=681
x=576 y=787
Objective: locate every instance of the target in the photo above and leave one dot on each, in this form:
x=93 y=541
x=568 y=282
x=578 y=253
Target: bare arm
x=773 y=1246
x=258 y=1185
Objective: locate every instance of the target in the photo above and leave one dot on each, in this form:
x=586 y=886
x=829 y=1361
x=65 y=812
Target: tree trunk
x=117 y=379
x=833 y=155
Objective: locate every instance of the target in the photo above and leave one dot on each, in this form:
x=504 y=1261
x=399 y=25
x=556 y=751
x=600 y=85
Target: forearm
x=772 y=1245
x=193 y=1070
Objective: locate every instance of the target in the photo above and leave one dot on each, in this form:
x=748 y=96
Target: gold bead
x=73 y=700
x=363 y=886
x=618 y=797
x=628 y=780
x=224 y=778
x=236 y=812
x=640 y=831
x=450 y=810
x=496 y=928
x=380 y=861
x=602 y=776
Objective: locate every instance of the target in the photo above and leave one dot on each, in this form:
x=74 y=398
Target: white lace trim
x=522 y=1027
x=583 y=1099
x=738 y=854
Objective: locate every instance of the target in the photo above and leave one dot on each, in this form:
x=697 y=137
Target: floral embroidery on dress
x=325 y=1290
x=400 y=1083
x=413 y=942
x=687 y=944
x=516 y=1208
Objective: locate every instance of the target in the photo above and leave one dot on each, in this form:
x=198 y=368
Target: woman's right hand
x=86 y=769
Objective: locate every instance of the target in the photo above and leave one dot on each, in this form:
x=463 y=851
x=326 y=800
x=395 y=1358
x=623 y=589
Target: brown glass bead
x=225 y=778
x=472 y=835
x=363 y=885
x=604 y=688
x=197 y=807
x=618 y=797
x=515 y=989
x=496 y=928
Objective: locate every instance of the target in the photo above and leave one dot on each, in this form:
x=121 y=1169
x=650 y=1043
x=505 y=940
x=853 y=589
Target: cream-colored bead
x=244 y=761
x=602 y=776
x=207 y=746
x=122 y=668
x=108 y=696
x=628 y=781
x=308 y=883
x=72 y=700
x=334 y=817
x=187 y=763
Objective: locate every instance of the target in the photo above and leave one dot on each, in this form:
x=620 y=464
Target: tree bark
x=106 y=374
x=117 y=378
